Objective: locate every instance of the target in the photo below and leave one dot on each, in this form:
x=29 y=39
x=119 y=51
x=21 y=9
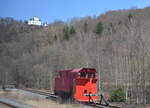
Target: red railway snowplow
x=79 y=84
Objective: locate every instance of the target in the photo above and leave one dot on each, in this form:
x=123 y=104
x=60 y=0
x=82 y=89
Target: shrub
x=117 y=95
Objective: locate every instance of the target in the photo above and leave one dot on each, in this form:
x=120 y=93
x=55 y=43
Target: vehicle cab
x=86 y=85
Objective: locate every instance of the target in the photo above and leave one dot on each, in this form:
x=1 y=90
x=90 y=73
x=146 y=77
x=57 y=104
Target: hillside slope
x=115 y=43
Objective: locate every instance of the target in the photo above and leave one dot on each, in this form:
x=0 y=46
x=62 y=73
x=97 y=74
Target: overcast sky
x=51 y=10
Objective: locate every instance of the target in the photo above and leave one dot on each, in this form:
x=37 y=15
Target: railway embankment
x=35 y=100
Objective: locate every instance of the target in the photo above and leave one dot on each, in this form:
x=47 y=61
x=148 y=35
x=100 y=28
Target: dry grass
x=1 y=92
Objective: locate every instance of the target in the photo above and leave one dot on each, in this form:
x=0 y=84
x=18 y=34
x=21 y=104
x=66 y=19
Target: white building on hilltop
x=35 y=21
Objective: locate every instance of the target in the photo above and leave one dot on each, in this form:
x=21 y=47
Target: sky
x=53 y=10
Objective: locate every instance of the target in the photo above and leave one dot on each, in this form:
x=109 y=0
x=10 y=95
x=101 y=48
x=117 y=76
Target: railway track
x=56 y=98
x=48 y=95
x=97 y=105
x=7 y=103
x=3 y=105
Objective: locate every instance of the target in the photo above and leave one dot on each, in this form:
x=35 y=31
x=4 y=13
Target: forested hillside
x=116 y=43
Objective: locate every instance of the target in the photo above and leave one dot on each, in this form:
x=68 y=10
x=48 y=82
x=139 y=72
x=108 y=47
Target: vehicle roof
x=77 y=70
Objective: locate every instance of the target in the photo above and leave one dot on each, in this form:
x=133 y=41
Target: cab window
x=91 y=75
x=83 y=75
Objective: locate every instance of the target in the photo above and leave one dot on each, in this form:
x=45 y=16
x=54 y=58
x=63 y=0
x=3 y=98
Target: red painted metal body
x=77 y=83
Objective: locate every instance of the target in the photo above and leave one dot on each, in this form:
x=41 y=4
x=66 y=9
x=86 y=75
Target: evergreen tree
x=66 y=33
x=99 y=28
x=72 y=30
x=85 y=27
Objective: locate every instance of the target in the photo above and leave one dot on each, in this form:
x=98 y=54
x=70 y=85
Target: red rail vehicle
x=79 y=84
